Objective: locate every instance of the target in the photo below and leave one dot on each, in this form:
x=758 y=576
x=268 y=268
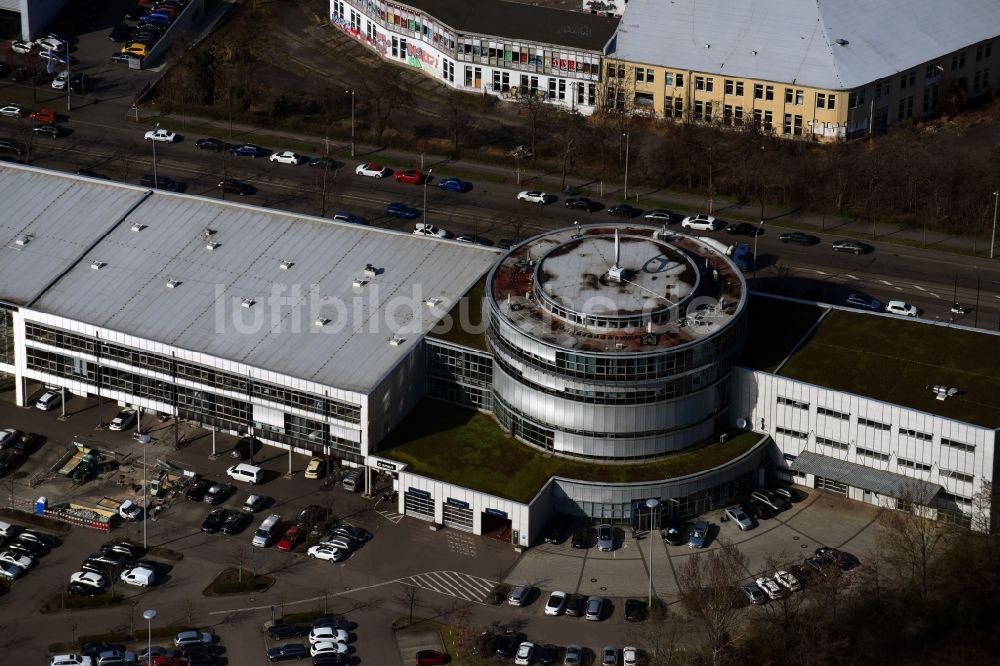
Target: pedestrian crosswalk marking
x=452 y=584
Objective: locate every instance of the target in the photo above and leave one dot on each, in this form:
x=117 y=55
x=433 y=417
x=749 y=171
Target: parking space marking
x=452 y=584
x=461 y=544
x=391 y=516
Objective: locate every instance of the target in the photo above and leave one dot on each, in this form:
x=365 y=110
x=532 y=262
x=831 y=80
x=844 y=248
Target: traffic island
x=231 y=581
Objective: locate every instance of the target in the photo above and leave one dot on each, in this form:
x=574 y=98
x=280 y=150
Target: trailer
x=79 y=453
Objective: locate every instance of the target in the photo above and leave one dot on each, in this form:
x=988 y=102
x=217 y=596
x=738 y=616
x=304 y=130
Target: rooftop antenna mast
x=616 y=271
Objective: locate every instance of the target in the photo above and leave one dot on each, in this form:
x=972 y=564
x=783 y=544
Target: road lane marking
x=853 y=277
x=886 y=283
x=917 y=286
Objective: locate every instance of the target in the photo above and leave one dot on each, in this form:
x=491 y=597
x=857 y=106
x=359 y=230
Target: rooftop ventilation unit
x=370 y=271
x=211 y=246
x=21 y=241
x=136 y=228
x=432 y=302
x=173 y=284
x=247 y=303
x=360 y=282
x=322 y=321
x=395 y=340
x=841 y=41
x=207 y=233
x=943 y=392
x=97 y=265
x=285 y=265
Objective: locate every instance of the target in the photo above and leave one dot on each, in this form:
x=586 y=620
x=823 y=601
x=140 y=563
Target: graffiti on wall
x=610 y=6
x=417 y=57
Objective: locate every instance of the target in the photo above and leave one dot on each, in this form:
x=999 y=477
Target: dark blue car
x=454 y=185
x=288 y=652
x=248 y=150
x=402 y=210
x=157 y=19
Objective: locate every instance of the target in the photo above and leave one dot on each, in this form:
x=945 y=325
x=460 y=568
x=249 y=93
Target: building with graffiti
x=510 y=50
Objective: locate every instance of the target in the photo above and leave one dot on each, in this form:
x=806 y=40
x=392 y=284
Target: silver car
x=738 y=516
x=595 y=608
x=518 y=596
x=699 y=535
x=574 y=655
x=605 y=538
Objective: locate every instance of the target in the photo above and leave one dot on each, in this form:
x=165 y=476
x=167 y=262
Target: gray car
x=699 y=535
x=519 y=595
x=595 y=608
x=605 y=538
x=574 y=655
x=738 y=516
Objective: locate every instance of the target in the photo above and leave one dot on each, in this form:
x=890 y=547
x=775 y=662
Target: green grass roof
x=468 y=448
x=775 y=328
x=464 y=324
x=899 y=360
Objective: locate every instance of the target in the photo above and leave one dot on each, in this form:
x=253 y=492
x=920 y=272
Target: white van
x=139 y=576
x=267 y=531
x=245 y=472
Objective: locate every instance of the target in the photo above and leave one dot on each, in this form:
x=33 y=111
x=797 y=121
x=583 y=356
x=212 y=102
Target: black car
x=635 y=610
x=214 y=521
x=310 y=515
x=278 y=632
x=30 y=548
x=96 y=566
x=230 y=186
x=118 y=56
x=110 y=558
x=46 y=540
x=504 y=645
x=674 y=534
x=94 y=648
x=204 y=659
x=547 y=654
x=130 y=550
x=13 y=146
x=235 y=523
x=583 y=537
x=81 y=590
x=196 y=491
x=135 y=13
x=4 y=70
x=623 y=210
x=217 y=493
x=119 y=33
x=210 y=144
x=798 y=238
x=162 y=183
x=582 y=203
x=48 y=129
x=323 y=163
x=575 y=603
x=483 y=645
x=741 y=229
x=331 y=659
x=19 y=74
x=334 y=622
x=790 y=494
x=245 y=448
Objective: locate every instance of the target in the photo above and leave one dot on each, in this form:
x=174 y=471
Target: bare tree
x=73 y=622
x=409 y=597
x=463 y=624
x=658 y=635
x=708 y=590
x=911 y=543
x=187 y=609
x=131 y=609
x=239 y=558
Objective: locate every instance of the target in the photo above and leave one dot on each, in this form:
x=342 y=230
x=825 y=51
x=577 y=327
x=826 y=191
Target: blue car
x=402 y=210
x=454 y=185
x=248 y=150
x=156 y=17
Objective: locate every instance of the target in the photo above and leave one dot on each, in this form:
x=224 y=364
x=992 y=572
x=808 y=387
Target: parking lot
x=447 y=567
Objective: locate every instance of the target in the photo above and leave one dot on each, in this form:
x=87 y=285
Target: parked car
x=525 y=653
x=161 y=183
x=17 y=559
x=11 y=571
x=237 y=187
x=396 y=209
x=771 y=588
x=245 y=448
x=161 y=135
x=186 y=639
x=555 y=533
x=71 y=660
x=582 y=203
x=235 y=522
x=624 y=210
x=13 y=146
x=255 y=503
x=372 y=170
x=659 y=215
x=853 y=246
x=595 y=608
x=630 y=656
x=767 y=498
x=573 y=656
x=583 y=537
x=504 y=645
x=609 y=656
x=323 y=163
x=139 y=576
x=314 y=468
x=123 y=420
x=863 y=302
x=431 y=658
x=754 y=594
x=12 y=110
x=902 y=308
x=350 y=218
x=742 y=229
x=410 y=176
x=674 y=534
x=556 y=603
x=288 y=157
x=197 y=490
x=787 y=580
x=325 y=634
x=533 y=196
x=575 y=604
x=635 y=610
x=738 y=516
x=281 y=631
x=605 y=538
x=210 y=144
x=798 y=238
x=292 y=536
x=88 y=578
x=248 y=150
x=328 y=553
x=288 y=652
x=425 y=229
x=700 y=222
x=699 y=535
x=214 y=520
x=518 y=595
x=454 y=185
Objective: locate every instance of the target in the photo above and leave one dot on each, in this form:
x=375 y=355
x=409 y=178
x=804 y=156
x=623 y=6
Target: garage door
x=457 y=517
x=831 y=485
x=419 y=505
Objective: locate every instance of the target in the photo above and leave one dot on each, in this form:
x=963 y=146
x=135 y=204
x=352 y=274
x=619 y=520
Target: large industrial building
x=605 y=365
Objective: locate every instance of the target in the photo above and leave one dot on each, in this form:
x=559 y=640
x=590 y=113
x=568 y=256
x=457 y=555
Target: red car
x=292 y=537
x=431 y=658
x=410 y=176
x=44 y=116
x=167 y=661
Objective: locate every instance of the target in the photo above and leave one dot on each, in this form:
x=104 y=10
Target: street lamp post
x=993 y=238
x=155 y=180
x=756 y=233
x=145 y=502
x=427 y=177
x=149 y=615
x=652 y=504
x=352 y=120
x=625 y=134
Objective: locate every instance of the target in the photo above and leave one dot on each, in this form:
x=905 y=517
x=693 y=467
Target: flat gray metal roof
x=867 y=478
x=802 y=41
x=204 y=312
x=47 y=225
x=515 y=20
